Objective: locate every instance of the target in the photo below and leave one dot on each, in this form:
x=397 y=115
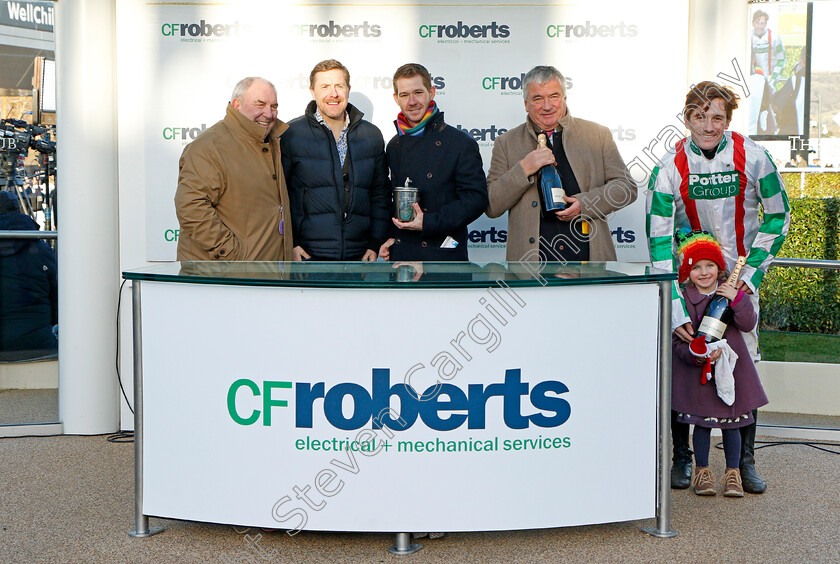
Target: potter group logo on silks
x=442 y=407
x=714 y=185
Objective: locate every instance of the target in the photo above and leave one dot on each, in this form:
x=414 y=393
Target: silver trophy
x=404 y=199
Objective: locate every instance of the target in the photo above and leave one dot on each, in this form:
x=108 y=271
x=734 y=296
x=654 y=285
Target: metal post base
x=147 y=533
x=404 y=545
x=654 y=532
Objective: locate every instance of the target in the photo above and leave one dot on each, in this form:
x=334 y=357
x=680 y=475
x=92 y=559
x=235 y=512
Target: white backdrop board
x=241 y=430
x=177 y=65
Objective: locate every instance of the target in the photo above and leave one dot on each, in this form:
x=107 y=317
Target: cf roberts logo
x=387 y=83
x=203 y=31
x=183 y=133
x=466 y=33
x=333 y=30
x=713 y=185
x=589 y=30
x=349 y=406
x=482 y=134
x=624 y=235
x=622 y=133
x=491 y=235
x=511 y=85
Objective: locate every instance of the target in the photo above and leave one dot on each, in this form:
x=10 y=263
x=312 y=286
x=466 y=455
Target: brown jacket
x=231 y=194
x=605 y=183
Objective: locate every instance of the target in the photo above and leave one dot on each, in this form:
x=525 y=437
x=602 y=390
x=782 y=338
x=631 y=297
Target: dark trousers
x=682 y=449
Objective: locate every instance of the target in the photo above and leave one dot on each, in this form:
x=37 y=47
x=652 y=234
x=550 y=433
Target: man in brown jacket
x=594 y=177
x=231 y=192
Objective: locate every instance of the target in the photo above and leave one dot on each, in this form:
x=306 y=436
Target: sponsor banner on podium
x=275 y=408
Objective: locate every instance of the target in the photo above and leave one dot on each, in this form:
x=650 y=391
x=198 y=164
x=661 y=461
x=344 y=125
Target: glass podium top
x=399 y=275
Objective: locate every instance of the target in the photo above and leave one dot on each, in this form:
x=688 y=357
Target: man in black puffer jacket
x=28 y=285
x=334 y=163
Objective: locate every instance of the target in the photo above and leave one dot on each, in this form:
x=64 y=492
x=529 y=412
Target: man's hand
x=385 y=249
x=572 y=209
x=415 y=224
x=743 y=287
x=714 y=355
x=685 y=332
x=299 y=254
x=536 y=159
x=369 y=256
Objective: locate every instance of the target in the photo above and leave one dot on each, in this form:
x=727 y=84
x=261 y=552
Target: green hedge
x=817 y=184
x=806 y=299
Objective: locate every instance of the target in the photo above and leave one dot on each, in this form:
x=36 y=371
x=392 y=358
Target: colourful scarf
x=405 y=129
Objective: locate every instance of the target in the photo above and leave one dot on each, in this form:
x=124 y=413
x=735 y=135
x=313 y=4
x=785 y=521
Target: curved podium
x=412 y=397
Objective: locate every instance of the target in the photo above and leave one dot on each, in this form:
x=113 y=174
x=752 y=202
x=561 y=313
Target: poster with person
x=779 y=70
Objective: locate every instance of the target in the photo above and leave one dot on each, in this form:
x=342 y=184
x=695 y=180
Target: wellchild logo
x=464 y=33
x=31 y=14
x=203 y=31
x=590 y=30
x=332 y=30
x=713 y=185
x=372 y=406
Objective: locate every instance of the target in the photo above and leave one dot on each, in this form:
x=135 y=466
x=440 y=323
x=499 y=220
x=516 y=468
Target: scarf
x=405 y=129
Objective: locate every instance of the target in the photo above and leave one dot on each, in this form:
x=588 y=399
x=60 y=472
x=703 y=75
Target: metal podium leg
x=141 y=521
x=403 y=545
x=663 y=480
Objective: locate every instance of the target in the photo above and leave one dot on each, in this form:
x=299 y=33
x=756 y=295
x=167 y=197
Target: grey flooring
x=70 y=499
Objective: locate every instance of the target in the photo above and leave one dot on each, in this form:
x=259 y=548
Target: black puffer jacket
x=337 y=214
x=28 y=289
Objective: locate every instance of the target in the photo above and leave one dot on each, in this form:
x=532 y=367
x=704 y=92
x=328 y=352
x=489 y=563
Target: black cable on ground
x=812 y=444
x=32 y=436
x=121 y=437
x=119 y=378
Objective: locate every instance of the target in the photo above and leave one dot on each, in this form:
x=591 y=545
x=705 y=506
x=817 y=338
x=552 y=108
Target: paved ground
x=70 y=499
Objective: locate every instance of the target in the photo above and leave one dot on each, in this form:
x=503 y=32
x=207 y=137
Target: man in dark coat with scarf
x=444 y=165
x=28 y=286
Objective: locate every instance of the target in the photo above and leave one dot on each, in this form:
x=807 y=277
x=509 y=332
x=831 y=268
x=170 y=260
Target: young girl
x=701 y=262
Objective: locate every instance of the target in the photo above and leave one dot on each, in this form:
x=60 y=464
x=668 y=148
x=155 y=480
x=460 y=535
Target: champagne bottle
x=551 y=186
x=718 y=314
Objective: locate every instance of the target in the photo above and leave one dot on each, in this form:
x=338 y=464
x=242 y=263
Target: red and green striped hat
x=696 y=246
